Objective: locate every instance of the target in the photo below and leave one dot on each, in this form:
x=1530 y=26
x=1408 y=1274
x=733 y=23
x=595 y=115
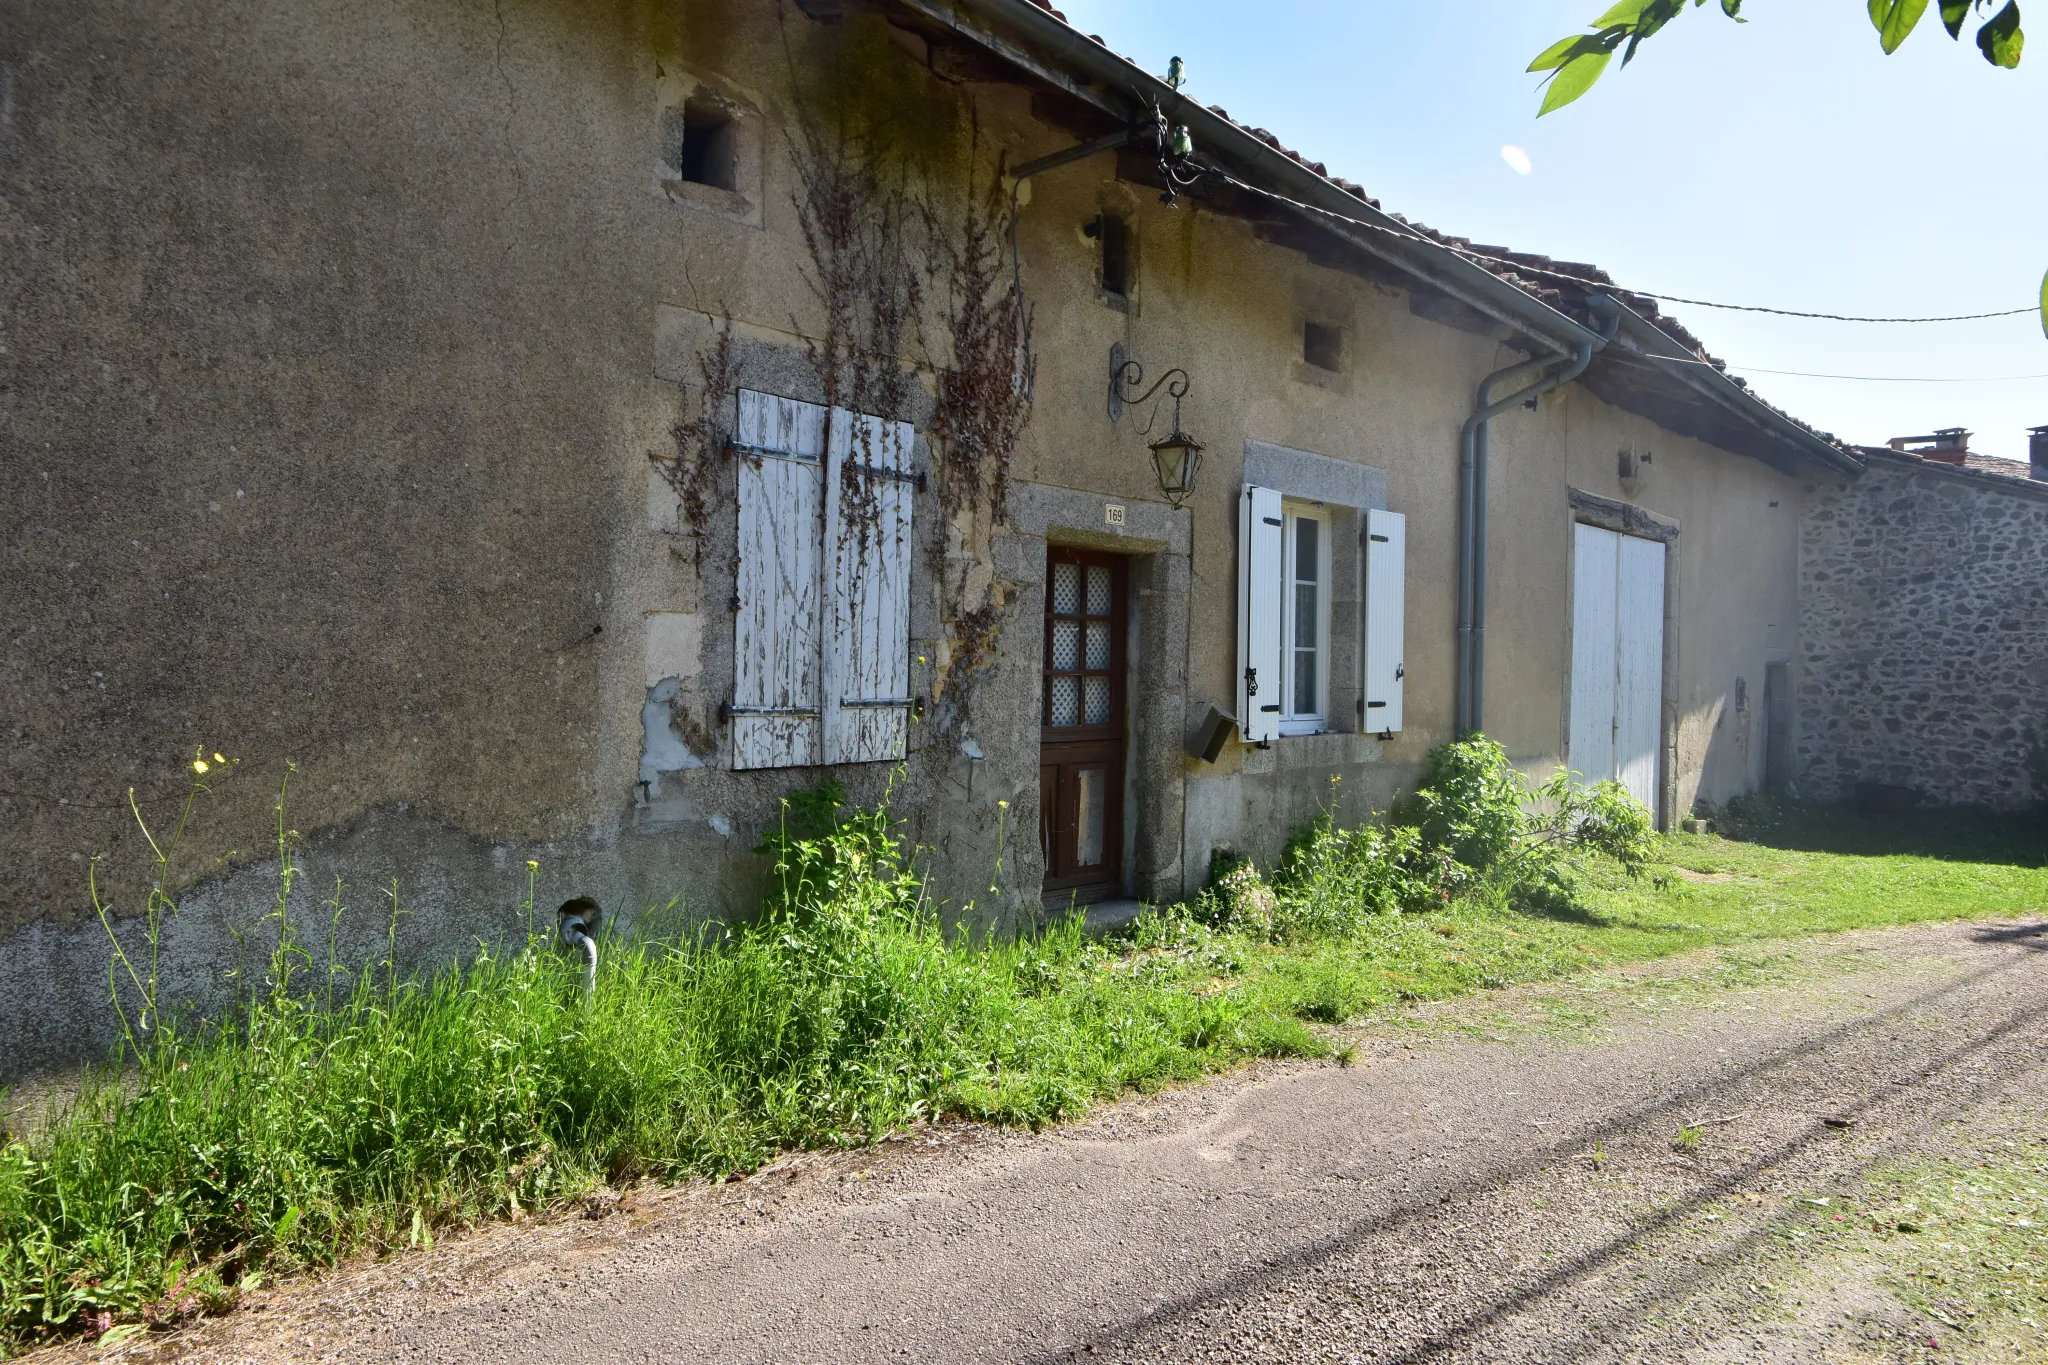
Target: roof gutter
x=1137 y=90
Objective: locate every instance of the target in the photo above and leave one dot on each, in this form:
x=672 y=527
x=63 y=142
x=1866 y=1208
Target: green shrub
x=1334 y=876
x=1470 y=803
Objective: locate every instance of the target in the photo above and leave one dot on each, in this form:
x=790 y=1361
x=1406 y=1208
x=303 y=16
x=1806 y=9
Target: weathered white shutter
x=1261 y=564
x=1595 y=566
x=867 y=545
x=777 y=705
x=1639 y=666
x=1386 y=604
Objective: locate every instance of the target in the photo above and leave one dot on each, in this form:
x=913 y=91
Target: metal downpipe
x=1469 y=443
x=1473 y=468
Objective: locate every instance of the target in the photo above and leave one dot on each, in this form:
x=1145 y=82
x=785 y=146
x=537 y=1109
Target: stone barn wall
x=1924 y=620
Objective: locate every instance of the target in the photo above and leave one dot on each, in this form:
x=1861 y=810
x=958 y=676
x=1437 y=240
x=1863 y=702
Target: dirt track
x=1494 y=1180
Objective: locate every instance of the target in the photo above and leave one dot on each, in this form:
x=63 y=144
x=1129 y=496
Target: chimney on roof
x=2037 y=452
x=1949 y=445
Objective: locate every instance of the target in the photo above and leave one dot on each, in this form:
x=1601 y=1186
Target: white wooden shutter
x=867 y=545
x=1386 y=605
x=777 y=705
x=1261 y=564
x=1595 y=565
x=1639 y=666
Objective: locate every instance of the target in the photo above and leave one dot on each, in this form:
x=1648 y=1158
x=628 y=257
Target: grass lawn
x=1804 y=871
x=1821 y=871
x=375 y=1118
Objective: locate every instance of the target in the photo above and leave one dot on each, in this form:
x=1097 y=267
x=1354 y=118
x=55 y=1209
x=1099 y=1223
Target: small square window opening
x=1323 y=346
x=710 y=154
x=1113 y=235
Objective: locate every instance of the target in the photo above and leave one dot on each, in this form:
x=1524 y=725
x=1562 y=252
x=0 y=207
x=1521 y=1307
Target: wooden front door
x=1081 y=745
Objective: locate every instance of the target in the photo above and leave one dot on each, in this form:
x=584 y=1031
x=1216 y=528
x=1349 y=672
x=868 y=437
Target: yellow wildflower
x=199 y=765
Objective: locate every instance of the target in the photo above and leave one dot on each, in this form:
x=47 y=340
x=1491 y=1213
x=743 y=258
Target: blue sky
x=1784 y=162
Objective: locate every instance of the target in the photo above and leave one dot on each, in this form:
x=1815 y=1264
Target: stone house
x=563 y=431
x=1924 y=629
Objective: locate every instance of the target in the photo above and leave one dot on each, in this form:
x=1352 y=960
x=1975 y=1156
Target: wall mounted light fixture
x=1175 y=457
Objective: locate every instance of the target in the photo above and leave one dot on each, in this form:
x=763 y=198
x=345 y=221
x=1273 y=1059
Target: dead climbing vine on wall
x=983 y=405
x=984 y=395
x=863 y=225
x=904 y=219
x=699 y=440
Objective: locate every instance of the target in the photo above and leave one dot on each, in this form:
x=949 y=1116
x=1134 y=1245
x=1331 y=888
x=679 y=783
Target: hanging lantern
x=1177 y=458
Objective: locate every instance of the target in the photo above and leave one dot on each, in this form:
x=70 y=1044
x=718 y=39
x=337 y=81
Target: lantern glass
x=1177 y=458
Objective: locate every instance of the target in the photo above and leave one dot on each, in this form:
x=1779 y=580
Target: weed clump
x=1475 y=822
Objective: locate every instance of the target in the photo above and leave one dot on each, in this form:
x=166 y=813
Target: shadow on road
x=1955 y=834
x=1629 y=1311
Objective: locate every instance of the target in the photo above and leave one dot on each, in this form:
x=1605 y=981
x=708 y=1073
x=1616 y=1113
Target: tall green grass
x=343 y=1112
x=319 y=1126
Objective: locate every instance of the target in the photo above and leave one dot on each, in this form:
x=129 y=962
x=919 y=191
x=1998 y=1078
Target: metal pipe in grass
x=576 y=925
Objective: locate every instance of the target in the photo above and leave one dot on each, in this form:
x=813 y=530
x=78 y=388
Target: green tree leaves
x=2000 y=39
x=1575 y=63
x=1894 y=20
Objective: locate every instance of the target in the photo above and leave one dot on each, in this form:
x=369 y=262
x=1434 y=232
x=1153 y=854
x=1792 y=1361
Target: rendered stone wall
x=1924 y=617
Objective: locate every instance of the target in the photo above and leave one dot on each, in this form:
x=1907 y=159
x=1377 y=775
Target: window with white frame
x=1285 y=649
x=1305 y=621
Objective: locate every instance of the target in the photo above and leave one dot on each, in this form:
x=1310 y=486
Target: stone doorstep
x=1106 y=917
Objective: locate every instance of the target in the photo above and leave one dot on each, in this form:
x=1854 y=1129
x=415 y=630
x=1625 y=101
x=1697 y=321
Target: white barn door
x=1596 y=555
x=1617 y=698
x=1639 y=668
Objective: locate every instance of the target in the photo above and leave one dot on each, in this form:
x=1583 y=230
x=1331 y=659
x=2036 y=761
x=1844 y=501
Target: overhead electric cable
x=1523 y=267
x=1900 y=379
x=1790 y=312
x=1733 y=367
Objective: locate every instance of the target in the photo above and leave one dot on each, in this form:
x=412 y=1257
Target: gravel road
x=1493 y=1180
